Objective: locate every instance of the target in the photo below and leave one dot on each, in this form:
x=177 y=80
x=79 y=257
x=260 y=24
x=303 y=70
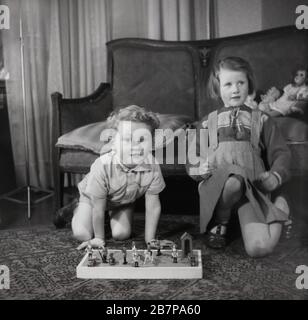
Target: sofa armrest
x=69 y=114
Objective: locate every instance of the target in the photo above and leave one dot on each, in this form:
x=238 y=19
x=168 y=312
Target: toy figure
x=91 y=259
x=134 y=249
x=124 y=251
x=100 y=250
x=89 y=251
x=135 y=258
x=103 y=252
x=193 y=261
x=148 y=254
x=111 y=259
x=158 y=248
x=174 y=254
x=277 y=105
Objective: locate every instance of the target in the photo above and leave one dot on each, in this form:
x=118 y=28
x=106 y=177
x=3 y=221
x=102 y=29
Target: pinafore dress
x=241 y=158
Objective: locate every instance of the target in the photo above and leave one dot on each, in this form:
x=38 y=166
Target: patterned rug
x=43 y=260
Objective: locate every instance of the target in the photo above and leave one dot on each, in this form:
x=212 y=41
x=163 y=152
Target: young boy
x=119 y=177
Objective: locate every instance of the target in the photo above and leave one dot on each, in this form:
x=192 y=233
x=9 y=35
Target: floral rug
x=42 y=263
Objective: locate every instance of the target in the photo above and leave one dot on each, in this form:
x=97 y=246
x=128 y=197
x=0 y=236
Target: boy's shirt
x=110 y=179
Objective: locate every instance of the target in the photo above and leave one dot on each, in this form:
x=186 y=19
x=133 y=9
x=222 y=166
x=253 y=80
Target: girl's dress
x=238 y=137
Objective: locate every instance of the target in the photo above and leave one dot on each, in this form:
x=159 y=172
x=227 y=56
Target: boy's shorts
x=111 y=208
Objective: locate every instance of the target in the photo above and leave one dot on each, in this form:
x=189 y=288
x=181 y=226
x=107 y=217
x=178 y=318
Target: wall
x=238 y=17
x=277 y=13
x=242 y=16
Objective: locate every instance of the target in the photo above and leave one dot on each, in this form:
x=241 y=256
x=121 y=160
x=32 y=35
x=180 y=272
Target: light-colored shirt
x=110 y=179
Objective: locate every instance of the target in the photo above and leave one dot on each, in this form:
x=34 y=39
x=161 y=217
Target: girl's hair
x=133 y=113
x=300 y=68
x=234 y=64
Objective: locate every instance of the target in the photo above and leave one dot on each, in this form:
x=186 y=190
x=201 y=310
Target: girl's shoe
x=216 y=237
x=287 y=229
x=287 y=226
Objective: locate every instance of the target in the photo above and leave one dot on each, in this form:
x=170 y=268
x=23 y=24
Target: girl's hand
x=268 y=181
x=95 y=242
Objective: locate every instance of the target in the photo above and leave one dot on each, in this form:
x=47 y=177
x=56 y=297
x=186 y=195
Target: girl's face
x=300 y=77
x=233 y=87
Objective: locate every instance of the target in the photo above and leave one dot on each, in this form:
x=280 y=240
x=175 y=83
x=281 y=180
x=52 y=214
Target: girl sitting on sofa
x=234 y=174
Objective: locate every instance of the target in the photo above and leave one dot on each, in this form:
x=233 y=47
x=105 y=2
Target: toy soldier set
x=160 y=260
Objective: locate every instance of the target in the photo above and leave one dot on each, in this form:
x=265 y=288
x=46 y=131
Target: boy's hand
x=95 y=242
x=268 y=181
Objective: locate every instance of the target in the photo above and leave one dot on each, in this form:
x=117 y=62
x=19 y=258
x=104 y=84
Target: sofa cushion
x=90 y=137
x=294 y=130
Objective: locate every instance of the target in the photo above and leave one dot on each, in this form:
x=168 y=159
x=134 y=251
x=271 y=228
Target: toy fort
x=160 y=260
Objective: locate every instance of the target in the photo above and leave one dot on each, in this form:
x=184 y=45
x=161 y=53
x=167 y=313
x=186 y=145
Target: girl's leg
x=231 y=194
x=259 y=238
x=121 y=222
x=82 y=222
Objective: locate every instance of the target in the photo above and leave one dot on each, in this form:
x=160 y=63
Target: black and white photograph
x=153 y=152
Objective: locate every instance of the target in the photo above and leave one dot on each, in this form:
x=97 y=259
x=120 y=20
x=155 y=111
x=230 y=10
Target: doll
x=276 y=104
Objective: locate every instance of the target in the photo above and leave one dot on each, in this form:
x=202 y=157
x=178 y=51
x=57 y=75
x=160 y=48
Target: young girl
x=119 y=177
x=234 y=175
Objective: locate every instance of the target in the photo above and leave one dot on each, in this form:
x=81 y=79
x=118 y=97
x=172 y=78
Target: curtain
x=64 y=50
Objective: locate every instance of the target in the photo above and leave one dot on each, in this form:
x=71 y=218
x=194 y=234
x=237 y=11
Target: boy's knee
x=258 y=248
x=121 y=234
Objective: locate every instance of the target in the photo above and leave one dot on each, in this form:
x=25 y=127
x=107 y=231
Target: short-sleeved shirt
x=110 y=179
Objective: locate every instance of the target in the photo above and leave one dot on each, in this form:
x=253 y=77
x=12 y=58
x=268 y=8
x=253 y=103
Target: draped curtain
x=64 y=50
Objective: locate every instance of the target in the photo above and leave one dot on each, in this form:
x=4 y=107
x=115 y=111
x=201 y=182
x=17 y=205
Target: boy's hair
x=234 y=64
x=136 y=114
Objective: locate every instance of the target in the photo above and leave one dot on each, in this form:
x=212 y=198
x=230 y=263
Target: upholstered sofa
x=172 y=78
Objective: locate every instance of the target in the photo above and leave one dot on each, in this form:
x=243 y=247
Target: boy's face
x=133 y=142
x=233 y=87
x=300 y=77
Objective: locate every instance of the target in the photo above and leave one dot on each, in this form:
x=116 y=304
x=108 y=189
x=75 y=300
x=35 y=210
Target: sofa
x=171 y=79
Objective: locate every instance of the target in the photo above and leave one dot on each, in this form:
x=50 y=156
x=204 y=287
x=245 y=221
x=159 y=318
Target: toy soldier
x=91 y=260
x=148 y=254
x=193 y=262
x=158 y=248
x=174 y=254
x=105 y=254
x=111 y=259
x=134 y=249
x=102 y=253
x=124 y=251
x=135 y=258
